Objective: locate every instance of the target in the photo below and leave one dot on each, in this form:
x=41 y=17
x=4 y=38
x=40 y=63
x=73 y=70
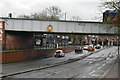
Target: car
x=90 y=48
x=78 y=49
x=97 y=46
x=85 y=47
x=70 y=43
x=59 y=53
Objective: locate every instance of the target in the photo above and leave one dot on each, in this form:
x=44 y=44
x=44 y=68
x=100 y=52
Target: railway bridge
x=21 y=33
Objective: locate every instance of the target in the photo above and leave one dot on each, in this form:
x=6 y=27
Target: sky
x=85 y=9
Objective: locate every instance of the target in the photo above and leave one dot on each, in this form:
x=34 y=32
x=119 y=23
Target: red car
x=90 y=48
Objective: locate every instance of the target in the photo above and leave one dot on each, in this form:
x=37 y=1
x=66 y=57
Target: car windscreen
x=58 y=52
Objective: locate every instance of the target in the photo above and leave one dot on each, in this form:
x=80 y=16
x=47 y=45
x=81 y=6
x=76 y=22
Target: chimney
x=10 y=15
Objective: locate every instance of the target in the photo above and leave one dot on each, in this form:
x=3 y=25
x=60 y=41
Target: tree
x=75 y=18
x=50 y=13
x=53 y=13
x=106 y=5
x=112 y=4
x=24 y=16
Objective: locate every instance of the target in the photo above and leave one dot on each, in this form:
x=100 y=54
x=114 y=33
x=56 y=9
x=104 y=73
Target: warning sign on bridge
x=49 y=28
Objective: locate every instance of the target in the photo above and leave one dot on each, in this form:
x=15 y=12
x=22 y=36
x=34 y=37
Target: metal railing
x=12 y=47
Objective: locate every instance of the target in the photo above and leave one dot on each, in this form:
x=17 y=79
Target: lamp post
x=65 y=15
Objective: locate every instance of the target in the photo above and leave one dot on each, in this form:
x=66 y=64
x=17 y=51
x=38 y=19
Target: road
x=93 y=66
x=12 y=68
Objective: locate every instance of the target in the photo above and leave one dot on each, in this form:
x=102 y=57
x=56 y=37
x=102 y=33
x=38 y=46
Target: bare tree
x=106 y=5
x=75 y=18
x=112 y=4
x=50 y=13
x=53 y=13
x=24 y=16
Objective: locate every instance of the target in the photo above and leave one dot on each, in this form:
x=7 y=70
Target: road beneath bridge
x=91 y=66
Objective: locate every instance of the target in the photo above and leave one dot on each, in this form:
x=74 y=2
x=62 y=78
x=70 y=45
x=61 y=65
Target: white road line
x=92 y=72
x=95 y=75
x=84 y=77
x=106 y=62
x=91 y=62
x=99 y=67
x=103 y=64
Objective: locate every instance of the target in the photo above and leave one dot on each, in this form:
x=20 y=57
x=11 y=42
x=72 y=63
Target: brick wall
x=15 y=56
x=17 y=40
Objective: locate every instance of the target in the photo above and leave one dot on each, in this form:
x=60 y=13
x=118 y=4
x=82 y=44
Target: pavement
x=113 y=72
x=21 y=67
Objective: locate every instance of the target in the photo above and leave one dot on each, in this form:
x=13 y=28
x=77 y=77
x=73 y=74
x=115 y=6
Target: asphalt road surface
x=93 y=66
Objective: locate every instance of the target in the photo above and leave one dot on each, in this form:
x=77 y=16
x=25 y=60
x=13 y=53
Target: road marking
x=92 y=72
x=95 y=75
x=58 y=72
x=103 y=64
x=84 y=77
x=99 y=67
x=90 y=62
x=106 y=62
x=107 y=71
x=48 y=74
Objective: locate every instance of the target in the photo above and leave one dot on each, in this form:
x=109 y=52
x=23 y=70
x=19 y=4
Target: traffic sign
x=49 y=28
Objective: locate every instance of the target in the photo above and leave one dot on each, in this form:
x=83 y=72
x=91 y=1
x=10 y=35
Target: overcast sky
x=85 y=9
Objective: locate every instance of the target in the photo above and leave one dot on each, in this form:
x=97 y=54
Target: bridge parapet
x=16 y=24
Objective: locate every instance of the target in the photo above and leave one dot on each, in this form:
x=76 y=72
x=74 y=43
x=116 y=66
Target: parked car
x=70 y=43
x=90 y=48
x=91 y=45
x=85 y=47
x=59 y=53
x=78 y=49
x=97 y=46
